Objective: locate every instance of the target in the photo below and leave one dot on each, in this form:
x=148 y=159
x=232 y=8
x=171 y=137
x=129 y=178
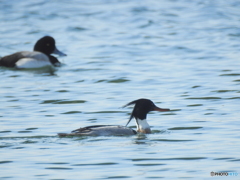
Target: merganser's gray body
x=101 y=130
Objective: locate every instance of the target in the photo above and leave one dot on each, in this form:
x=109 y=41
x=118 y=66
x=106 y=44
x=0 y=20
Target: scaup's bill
x=39 y=57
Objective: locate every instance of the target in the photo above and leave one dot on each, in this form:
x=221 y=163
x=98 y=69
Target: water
x=183 y=55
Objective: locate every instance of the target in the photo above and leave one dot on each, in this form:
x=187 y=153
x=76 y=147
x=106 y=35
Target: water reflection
x=141 y=139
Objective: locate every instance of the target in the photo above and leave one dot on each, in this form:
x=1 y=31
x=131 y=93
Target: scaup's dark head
x=47 y=46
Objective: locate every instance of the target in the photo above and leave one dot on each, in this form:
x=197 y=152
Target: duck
x=141 y=108
x=38 y=58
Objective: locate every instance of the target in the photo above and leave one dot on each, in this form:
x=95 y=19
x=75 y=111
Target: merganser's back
x=140 y=110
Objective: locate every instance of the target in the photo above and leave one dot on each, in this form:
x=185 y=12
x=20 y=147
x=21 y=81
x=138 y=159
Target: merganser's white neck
x=143 y=126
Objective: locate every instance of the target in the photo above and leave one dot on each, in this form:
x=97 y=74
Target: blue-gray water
x=183 y=55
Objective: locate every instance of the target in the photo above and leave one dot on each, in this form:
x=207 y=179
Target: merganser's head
x=141 y=109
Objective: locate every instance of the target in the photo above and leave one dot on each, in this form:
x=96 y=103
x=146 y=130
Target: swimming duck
x=39 y=57
x=141 y=109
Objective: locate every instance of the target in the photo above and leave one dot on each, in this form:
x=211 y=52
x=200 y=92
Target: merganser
x=140 y=110
x=39 y=57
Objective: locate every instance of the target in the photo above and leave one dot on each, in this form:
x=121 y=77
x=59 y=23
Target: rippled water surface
x=183 y=55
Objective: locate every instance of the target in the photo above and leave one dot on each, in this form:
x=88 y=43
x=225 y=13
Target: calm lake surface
x=183 y=55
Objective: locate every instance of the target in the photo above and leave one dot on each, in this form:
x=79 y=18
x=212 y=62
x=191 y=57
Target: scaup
x=39 y=57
